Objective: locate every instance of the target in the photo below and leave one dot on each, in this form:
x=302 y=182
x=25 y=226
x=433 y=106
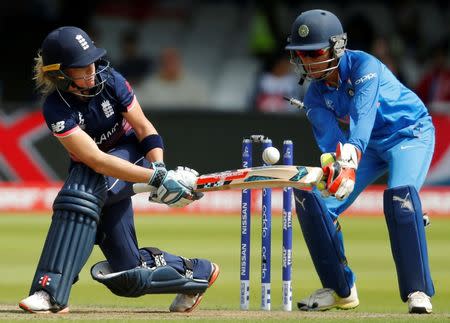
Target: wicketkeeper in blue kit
x=388 y=130
x=93 y=112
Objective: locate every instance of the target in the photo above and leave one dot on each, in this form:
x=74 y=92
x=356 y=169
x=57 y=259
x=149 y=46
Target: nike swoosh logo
x=405 y=147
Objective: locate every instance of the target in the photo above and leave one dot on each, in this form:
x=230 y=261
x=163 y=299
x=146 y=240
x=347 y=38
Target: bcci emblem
x=303 y=31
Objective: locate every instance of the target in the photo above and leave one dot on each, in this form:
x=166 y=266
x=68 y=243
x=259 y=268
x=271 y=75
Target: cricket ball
x=271 y=155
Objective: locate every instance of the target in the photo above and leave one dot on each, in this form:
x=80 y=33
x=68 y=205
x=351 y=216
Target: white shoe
x=325 y=298
x=39 y=302
x=188 y=302
x=419 y=303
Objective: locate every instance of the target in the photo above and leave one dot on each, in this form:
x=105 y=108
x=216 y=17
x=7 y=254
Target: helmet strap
x=59 y=79
x=62 y=81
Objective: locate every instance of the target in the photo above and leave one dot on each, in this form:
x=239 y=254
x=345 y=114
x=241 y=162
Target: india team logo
x=303 y=31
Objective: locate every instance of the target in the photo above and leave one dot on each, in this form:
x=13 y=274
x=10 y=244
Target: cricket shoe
x=325 y=299
x=419 y=303
x=40 y=302
x=188 y=302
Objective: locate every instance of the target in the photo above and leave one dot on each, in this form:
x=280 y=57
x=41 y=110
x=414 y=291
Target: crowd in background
x=228 y=55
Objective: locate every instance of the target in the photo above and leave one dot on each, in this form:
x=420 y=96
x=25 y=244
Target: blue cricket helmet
x=316 y=30
x=71 y=47
x=313 y=30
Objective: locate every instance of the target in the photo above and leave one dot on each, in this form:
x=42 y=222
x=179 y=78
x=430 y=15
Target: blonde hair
x=43 y=83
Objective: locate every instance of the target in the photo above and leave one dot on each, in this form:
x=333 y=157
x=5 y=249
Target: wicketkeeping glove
x=326 y=160
x=340 y=175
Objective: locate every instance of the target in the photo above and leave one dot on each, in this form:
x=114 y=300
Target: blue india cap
x=313 y=29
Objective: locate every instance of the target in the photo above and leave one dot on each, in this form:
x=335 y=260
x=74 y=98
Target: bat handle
x=142 y=188
x=297 y=103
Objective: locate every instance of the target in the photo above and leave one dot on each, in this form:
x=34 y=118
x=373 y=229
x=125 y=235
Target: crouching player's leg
x=323 y=237
x=69 y=242
x=403 y=212
x=161 y=273
x=131 y=272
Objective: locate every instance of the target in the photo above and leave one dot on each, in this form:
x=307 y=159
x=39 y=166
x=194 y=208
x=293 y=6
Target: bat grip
x=143 y=188
x=295 y=102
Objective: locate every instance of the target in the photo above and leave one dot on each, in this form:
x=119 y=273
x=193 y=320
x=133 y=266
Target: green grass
x=217 y=238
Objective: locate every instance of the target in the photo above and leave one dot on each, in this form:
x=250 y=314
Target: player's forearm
x=155 y=154
x=115 y=167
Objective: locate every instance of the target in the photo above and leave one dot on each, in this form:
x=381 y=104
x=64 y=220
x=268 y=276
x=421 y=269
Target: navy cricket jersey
x=100 y=116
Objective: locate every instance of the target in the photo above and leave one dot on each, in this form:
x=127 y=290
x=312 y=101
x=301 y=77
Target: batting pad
x=71 y=236
x=324 y=242
x=403 y=212
x=144 y=280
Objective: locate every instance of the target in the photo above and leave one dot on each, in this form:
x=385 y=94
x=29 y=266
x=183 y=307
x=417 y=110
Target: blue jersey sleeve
x=365 y=77
x=59 y=118
x=325 y=126
x=123 y=90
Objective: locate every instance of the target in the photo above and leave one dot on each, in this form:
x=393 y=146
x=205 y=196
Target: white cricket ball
x=271 y=155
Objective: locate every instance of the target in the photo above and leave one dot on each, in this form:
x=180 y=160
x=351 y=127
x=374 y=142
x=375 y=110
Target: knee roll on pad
x=324 y=242
x=71 y=236
x=404 y=219
x=144 y=280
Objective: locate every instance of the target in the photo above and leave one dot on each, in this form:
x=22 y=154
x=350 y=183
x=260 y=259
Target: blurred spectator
x=134 y=66
x=360 y=32
x=407 y=23
x=382 y=49
x=171 y=86
x=276 y=81
x=434 y=86
x=407 y=31
x=265 y=34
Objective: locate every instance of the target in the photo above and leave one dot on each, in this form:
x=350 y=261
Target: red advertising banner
x=39 y=198
x=439 y=173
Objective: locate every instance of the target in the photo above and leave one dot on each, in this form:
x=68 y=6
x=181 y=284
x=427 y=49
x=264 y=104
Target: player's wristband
x=150 y=142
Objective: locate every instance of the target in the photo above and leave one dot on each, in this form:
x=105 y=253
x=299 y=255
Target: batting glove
x=173 y=188
x=158 y=165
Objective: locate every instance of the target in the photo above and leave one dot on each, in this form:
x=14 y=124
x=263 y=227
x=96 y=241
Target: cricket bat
x=254 y=178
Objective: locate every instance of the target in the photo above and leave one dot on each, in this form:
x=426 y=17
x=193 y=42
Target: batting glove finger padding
x=172 y=190
x=187 y=176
